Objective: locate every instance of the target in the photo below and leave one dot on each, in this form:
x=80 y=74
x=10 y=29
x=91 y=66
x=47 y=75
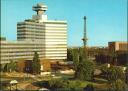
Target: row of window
x=65 y=23
x=36 y=28
x=29 y=31
x=35 y=25
x=46 y=29
x=31 y=34
x=37 y=32
x=29 y=37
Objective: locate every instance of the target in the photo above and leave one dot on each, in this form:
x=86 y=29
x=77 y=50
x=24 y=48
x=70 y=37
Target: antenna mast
x=85 y=37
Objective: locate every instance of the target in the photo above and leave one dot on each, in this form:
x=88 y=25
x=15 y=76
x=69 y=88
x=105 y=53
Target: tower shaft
x=85 y=35
x=85 y=38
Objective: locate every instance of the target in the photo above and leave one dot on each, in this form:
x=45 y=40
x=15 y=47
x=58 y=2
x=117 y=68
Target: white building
x=47 y=37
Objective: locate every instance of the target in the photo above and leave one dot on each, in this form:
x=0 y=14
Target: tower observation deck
x=40 y=8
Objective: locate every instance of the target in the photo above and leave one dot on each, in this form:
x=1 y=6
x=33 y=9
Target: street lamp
x=27 y=69
x=13 y=82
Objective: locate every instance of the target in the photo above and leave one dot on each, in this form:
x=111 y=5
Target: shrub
x=126 y=74
x=59 y=83
x=89 y=87
x=115 y=73
x=74 y=84
x=104 y=70
x=56 y=83
x=118 y=85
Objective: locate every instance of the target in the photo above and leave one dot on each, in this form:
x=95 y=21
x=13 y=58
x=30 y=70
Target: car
x=44 y=89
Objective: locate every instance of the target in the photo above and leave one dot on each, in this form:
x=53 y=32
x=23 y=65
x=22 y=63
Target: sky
x=106 y=19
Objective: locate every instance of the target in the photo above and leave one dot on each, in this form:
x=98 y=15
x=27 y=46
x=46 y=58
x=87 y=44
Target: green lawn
x=98 y=83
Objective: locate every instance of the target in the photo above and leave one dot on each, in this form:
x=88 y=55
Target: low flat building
x=118 y=46
x=117 y=54
x=20 y=50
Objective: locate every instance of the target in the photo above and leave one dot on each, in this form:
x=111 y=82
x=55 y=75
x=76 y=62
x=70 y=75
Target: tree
x=36 y=64
x=84 y=68
x=2 y=67
x=69 y=54
x=75 y=55
x=113 y=56
x=76 y=60
x=9 y=67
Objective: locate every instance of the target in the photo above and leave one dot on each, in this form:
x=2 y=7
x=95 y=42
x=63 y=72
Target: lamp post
x=13 y=82
x=10 y=86
x=27 y=69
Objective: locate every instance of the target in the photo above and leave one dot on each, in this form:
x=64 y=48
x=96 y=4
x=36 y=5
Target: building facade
x=19 y=50
x=118 y=46
x=116 y=54
x=47 y=37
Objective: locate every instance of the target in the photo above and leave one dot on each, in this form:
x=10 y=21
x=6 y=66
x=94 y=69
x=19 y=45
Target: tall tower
x=40 y=9
x=51 y=34
x=85 y=37
x=85 y=34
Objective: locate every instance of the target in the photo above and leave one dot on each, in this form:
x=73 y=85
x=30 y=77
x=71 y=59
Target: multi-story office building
x=47 y=37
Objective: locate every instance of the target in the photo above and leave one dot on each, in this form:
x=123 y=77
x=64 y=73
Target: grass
x=97 y=83
x=41 y=80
